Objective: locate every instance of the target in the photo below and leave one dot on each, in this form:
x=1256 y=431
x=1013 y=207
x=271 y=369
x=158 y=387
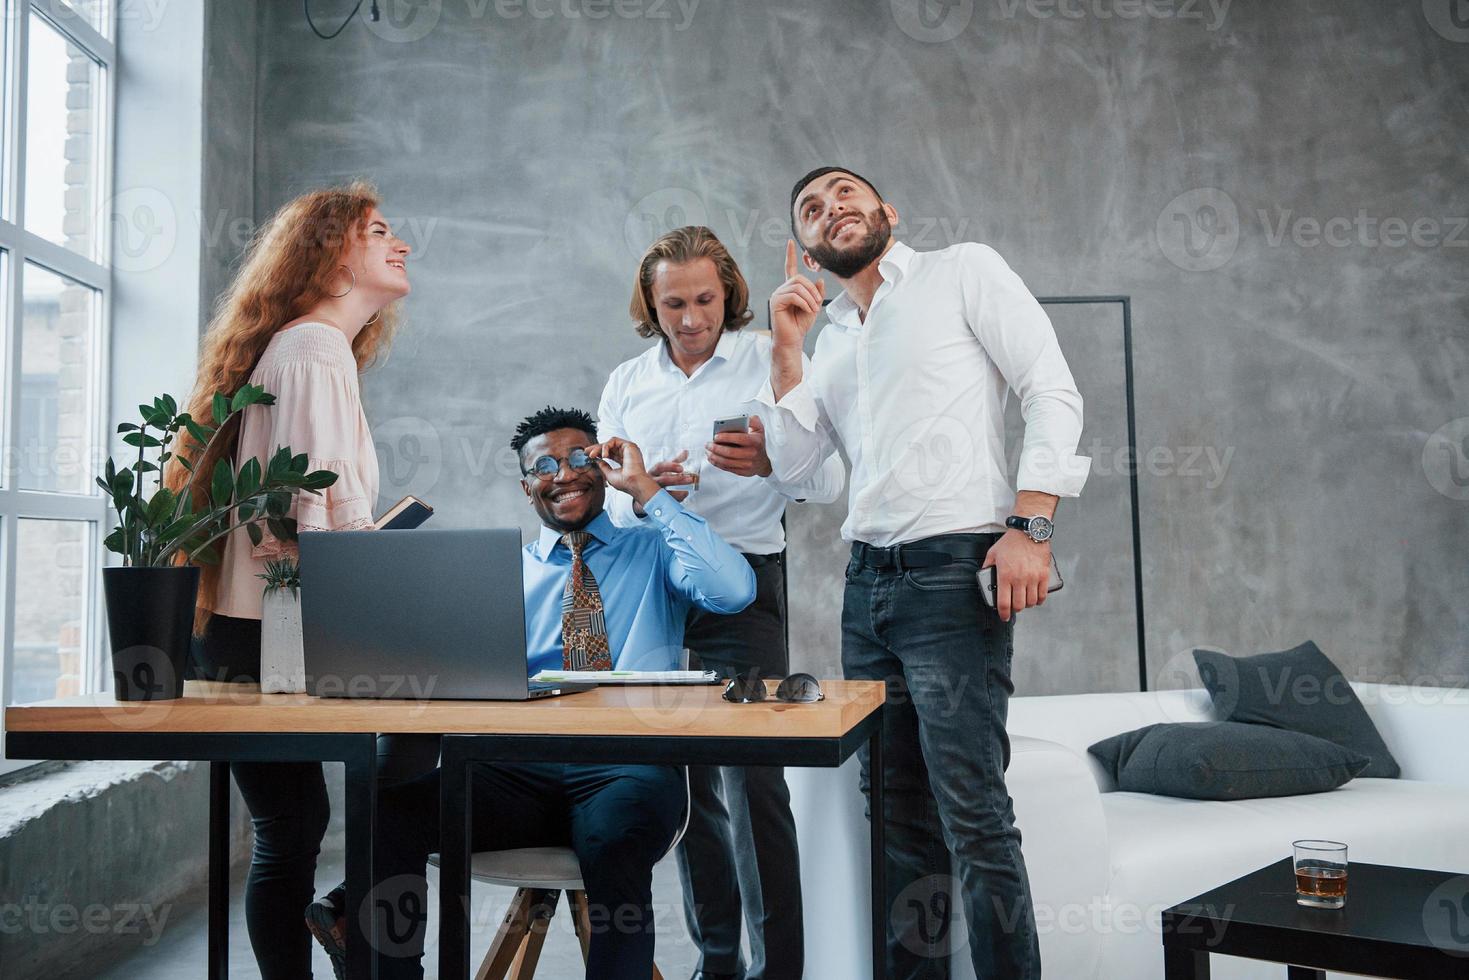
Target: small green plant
x=155 y=530
x=281 y=573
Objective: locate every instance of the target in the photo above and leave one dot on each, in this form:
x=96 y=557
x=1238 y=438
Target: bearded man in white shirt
x=738 y=859
x=910 y=379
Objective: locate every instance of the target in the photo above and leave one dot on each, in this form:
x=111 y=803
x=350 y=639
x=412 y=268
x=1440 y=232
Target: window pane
x=63 y=96
x=93 y=12
x=6 y=192
x=57 y=347
x=51 y=604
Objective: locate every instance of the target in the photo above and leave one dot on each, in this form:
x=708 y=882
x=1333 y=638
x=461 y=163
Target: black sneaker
x=328 y=924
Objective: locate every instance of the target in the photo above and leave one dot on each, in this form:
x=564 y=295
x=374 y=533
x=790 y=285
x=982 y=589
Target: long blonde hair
x=678 y=246
x=287 y=271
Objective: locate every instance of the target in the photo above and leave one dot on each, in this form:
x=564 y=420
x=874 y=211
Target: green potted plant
x=161 y=536
x=282 y=656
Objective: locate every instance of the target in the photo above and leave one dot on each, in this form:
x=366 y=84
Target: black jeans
x=288 y=810
x=741 y=843
x=619 y=819
x=945 y=656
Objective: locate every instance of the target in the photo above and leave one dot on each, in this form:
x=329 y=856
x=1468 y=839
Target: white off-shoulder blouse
x=311 y=371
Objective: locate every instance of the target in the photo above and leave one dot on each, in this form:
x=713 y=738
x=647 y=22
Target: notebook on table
x=405 y=515
x=627 y=677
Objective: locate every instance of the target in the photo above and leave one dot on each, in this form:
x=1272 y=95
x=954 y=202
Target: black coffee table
x=1398 y=922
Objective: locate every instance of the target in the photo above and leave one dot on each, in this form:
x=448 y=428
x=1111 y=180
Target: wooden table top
x=681 y=711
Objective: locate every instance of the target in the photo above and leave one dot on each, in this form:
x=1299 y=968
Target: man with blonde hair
x=740 y=848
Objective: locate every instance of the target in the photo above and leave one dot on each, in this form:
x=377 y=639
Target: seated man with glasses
x=597 y=597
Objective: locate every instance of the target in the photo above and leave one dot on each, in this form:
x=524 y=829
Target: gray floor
x=180 y=953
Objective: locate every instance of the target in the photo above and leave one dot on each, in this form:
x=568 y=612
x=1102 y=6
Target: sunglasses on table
x=546 y=467
x=797 y=688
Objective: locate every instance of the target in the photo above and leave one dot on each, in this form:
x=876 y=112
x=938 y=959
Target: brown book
x=405 y=515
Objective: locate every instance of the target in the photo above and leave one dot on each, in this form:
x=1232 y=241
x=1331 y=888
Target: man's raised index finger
x=791 y=267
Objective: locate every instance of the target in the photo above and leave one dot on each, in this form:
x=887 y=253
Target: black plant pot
x=150 y=614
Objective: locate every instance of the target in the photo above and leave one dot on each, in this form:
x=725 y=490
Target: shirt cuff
x=661 y=508
x=773 y=482
x=1046 y=472
x=798 y=401
x=790 y=491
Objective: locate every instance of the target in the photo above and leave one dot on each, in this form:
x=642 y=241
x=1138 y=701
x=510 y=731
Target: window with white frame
x=55 y=154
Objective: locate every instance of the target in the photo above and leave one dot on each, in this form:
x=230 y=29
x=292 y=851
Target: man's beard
x=844 y=264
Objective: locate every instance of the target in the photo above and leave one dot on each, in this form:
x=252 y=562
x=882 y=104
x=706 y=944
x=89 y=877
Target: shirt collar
x=601 y=528
x=895 y=263
x=723 y=351
x=893 y=266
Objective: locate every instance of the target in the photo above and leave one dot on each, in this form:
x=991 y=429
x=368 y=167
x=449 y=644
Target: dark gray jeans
x=945 y=656
x=739 y=853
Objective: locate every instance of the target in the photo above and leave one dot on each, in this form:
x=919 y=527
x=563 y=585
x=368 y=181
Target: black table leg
x=1181 y=963
x=219 y=870
x=1294 y=972
x=454 y=853
x=879 y=852
x=361 y=799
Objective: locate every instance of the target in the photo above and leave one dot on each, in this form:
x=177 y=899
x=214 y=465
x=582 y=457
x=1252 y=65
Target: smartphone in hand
x=989 y=586
x=735 y=423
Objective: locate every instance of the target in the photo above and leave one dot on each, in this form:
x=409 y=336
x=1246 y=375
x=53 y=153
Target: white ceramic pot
x=282 y=660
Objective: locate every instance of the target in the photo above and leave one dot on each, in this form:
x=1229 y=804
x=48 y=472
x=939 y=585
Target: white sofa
x=1103 y=864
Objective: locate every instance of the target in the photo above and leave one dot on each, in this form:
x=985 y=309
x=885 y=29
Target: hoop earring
x=373 y=319
x=349 y=288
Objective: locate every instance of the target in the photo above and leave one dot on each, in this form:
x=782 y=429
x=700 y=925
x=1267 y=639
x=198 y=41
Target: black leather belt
x=944 y=549
x=760 y=561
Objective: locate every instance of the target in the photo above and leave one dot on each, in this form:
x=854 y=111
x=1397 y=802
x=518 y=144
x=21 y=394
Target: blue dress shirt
x=649 y=577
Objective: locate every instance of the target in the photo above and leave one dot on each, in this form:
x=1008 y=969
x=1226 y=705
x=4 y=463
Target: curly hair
x=549 y=419
x=687 y=244
x=287 y=270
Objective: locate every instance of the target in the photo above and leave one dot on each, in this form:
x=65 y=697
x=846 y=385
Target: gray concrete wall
x=96 y=858
x=226 y=213
x=1290 y=377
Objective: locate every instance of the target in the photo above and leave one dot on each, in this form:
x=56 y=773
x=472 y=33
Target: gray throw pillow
x=1298 y=689
x=1223 y=760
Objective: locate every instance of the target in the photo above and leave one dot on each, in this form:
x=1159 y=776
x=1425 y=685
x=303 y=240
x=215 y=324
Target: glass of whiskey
x=1321 y=873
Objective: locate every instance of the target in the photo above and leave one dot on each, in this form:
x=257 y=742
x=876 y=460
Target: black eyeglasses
x=797 y=688
x=546 y=467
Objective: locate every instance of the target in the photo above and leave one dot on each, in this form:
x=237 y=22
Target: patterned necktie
x=583 y=627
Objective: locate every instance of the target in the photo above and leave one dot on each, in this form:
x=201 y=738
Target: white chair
x=539 y=875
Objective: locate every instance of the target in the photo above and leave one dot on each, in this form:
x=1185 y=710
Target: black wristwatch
x=1038 y=528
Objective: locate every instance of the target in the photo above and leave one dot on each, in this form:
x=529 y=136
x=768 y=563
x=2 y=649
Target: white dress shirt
x=650 y=401
x=915 y=396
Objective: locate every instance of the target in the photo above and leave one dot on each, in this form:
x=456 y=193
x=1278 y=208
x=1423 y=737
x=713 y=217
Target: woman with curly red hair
x=314 y=304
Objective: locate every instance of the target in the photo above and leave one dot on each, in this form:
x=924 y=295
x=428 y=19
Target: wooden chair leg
x=543 y=907
x=512 y=932
x=582 y=921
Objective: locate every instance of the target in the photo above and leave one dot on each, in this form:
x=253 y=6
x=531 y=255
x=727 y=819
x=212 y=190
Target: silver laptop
x=416 y=614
